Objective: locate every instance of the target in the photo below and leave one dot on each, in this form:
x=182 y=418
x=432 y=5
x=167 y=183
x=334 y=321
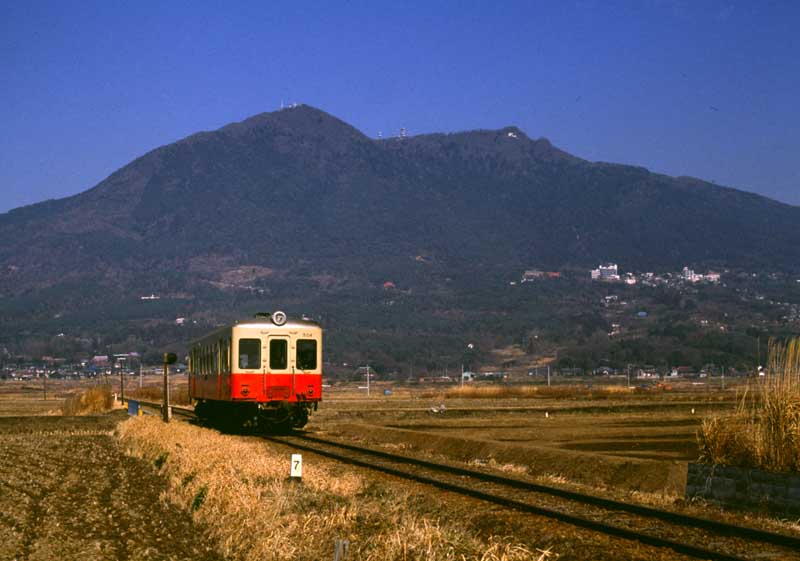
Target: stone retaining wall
x=732 y=486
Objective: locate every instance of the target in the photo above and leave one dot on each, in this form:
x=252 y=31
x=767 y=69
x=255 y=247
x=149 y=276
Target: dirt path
x=68 y=492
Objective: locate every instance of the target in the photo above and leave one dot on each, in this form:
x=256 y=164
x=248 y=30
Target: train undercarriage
x=277 y=417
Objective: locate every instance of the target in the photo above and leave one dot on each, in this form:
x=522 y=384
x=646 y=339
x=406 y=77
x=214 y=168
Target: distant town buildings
x=610 y=273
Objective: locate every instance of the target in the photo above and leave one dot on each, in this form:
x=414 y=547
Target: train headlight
x=278 y=318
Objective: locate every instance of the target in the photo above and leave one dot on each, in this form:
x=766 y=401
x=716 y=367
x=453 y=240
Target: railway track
x=689 y=535
x=692 y=536
x=177 y=411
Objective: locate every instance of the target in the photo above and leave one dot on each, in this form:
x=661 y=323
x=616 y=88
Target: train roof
x=262 y=321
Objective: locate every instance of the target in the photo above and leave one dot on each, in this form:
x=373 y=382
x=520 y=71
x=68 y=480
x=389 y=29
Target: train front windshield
x=306 y=354
x=250 y=354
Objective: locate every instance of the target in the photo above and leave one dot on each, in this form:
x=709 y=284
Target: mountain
x=299 y=187
x=299 y=209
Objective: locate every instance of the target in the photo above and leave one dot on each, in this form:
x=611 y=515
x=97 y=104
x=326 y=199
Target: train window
x=306 y=354
x=250 y=354
x=278 y=354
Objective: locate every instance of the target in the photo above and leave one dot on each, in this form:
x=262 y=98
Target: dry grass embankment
x=89 y=402
x=238 y=489
x=765 y=431
x=533 y=392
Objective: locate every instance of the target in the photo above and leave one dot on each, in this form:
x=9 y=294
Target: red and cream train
x=263 y=373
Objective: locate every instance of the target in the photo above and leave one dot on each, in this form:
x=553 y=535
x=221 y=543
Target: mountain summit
x=299 y=190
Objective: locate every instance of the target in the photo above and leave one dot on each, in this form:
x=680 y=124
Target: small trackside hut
x=263 y=373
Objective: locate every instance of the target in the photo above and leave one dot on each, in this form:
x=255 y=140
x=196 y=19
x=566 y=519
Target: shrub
x=90 y=402
x=765 y=431
x=723 y=442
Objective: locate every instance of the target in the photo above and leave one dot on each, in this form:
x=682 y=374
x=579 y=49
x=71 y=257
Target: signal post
x=169 y=358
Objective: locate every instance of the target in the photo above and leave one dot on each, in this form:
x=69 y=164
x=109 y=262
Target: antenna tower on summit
x=403 y=132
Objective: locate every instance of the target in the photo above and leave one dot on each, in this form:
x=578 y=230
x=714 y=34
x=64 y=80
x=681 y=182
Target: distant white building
x=690 y=276
x=606 y=273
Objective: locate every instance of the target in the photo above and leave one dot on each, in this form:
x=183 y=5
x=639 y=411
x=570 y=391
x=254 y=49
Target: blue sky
x=707 y=89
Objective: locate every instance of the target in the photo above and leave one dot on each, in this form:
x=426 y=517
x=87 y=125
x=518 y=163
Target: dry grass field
x=603 y=435
x=67 y=492
x=232 y=491
x=237 y=487
x=630 y=439
x=28 y=398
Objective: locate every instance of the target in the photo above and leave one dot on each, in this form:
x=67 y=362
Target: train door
x=226 y=367
x=192 y=378
x=217 y=357
x=279 y=385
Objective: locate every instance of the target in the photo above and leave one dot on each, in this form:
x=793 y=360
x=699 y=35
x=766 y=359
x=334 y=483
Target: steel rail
x=588 y=523
x=176 y=409
x=722 y=528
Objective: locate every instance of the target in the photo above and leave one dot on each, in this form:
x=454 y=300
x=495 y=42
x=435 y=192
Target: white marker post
x=296 y=471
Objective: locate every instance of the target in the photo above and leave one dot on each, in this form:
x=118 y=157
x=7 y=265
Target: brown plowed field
x=68 y=492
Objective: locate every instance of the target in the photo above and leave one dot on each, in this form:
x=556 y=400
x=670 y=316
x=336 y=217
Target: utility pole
x=758 y=351
x=110 y=357
x=629 y=375
x=548 y=375
x=368 y=380
x=121 y=385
